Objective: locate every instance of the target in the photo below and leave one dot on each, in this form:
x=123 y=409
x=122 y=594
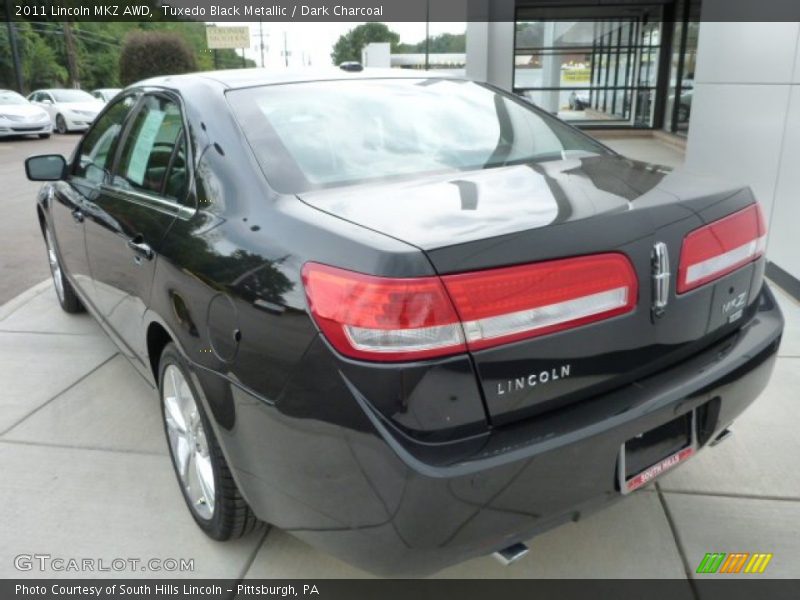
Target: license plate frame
x=628 y=484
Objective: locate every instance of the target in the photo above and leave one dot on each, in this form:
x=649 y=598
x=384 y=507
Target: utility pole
x=427 y=34
x=12 y=36
x=72 y=59
x=285 y=50
x=261 y=40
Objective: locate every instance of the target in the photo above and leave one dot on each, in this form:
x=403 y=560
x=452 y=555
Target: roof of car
x=242 y=78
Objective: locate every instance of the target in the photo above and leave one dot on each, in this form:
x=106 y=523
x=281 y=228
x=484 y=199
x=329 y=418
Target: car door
x=133 y=212
x=71 y=199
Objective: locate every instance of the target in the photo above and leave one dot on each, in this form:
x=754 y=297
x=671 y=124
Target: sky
x=313 y=42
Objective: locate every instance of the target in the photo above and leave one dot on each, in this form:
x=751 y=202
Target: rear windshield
x=332 y=133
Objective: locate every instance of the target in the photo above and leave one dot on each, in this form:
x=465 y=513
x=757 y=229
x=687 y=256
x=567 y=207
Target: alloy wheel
x=61 y=125
x=188 y=442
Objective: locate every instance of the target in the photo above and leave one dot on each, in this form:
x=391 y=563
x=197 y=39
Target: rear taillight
x=721 y=247
x=512 y=303
x=380 y=318
x=388 y=319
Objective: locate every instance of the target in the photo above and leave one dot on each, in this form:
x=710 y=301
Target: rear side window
x=322 y=134
x=153 y=155
x=97 y=147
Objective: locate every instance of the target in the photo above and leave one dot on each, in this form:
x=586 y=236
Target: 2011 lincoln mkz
x=410 y=319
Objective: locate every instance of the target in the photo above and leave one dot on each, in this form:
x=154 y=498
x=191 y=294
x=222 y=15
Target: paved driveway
x=85 y=474
x=22 y=259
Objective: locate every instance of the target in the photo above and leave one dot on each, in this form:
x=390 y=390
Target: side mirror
x=46 y=167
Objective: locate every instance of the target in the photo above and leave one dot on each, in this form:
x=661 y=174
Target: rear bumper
x=332 y=472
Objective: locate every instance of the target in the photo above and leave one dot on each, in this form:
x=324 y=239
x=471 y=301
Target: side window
x=153 y=157
x=97 y=147
x=176 y=185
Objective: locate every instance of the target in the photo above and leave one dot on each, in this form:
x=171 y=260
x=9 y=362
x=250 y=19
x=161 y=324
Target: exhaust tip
x=726 y=434
x=511 y=554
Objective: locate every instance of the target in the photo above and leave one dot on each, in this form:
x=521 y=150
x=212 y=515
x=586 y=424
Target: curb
x=10 y=307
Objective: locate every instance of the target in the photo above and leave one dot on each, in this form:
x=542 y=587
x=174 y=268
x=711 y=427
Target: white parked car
x=20 y=117
x=69 y=110
x=105 y=94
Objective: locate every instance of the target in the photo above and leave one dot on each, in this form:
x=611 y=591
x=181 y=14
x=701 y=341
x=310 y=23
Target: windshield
x=8 y=97
x=72 y=96
x=322 y=134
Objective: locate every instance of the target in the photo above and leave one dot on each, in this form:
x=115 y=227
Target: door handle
x=140 y=248
x=77 y=215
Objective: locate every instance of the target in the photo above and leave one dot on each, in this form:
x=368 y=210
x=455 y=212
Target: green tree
x=98 y=46
x=349 y=46
x=40 y=66
x=153 y=53
x=442 y=43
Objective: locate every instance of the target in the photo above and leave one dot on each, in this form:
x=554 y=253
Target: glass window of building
x=616 y=63
x=601 y=72
x=678 y=106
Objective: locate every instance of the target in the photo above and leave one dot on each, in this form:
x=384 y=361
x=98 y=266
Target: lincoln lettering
x=520 y=383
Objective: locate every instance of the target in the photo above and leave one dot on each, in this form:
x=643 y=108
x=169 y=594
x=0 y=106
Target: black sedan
x=411 y=319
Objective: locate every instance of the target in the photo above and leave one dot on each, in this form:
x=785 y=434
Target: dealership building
x=729 y=92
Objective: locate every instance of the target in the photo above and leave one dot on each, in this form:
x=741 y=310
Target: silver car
x=20 y=117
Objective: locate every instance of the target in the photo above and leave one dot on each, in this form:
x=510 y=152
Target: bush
x=152 y=53
x=349 y=46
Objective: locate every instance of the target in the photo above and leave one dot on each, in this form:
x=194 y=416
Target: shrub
x=152 y=53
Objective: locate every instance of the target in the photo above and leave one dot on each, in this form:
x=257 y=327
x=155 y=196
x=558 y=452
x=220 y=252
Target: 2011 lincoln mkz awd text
x=411 y=319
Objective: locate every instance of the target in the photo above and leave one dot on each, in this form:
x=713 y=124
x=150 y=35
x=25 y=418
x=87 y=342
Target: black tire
x=232 y=517
x=67 y=298
x=44 y=136
x=61 y=125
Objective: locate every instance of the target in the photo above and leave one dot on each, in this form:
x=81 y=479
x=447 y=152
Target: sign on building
x=227 y=37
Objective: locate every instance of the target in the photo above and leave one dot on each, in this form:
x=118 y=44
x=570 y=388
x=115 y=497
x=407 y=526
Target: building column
x=551 y=70
x=490 y=44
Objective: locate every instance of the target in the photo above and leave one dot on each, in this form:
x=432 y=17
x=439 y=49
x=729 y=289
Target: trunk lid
x=584 y=204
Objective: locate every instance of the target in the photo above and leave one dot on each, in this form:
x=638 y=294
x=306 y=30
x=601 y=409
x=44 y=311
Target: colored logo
x=733 y=563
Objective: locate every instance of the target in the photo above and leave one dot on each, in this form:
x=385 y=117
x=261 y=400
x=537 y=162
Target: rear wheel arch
x=157 y=339
x=231 y=515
